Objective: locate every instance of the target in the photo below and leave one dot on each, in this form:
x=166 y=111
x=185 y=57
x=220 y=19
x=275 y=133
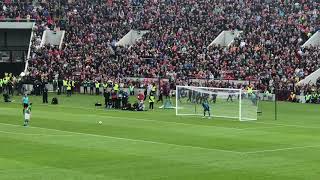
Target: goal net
x=223 y=102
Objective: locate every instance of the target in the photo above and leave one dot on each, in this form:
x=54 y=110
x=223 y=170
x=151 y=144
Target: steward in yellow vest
x=72 y=86
x=5 y=81
x=308 y=98
x=69 y=89
x=116 y=87
x=1 y=85
x=154 y=88
x=105 y=85
x=249 y=90
x=292 y=97
x=151 y=101
x=97 y=85
x=65 y=84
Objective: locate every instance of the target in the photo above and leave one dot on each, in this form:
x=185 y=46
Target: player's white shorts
x=27 y=116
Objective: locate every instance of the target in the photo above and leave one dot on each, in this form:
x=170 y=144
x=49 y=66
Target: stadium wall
x=131 y=38
x=313 y=41
x=312 y=78
x=225 y=38
x=52 y=38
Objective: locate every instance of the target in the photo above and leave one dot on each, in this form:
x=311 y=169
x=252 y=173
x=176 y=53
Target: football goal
x=223 y=102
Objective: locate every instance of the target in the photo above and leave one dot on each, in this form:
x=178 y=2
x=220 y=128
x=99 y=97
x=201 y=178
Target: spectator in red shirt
x=140 y=96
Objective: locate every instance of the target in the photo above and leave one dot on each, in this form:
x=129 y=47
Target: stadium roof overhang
x=16 y=25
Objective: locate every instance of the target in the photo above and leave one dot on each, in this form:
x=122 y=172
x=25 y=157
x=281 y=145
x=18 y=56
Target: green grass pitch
x=65 y=142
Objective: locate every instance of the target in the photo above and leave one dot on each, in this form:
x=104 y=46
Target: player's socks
x=209 y=115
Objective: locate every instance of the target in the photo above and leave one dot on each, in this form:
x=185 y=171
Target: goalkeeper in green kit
x=206 y=108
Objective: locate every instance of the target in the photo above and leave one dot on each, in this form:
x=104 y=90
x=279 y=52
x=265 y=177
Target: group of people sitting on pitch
x=311 y=97
x=116 y=98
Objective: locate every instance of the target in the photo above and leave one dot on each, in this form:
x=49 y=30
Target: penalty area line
x=282 y=149
x=285 y=125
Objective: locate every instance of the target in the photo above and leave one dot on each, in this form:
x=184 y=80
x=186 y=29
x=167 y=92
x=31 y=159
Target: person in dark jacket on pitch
x=45 y=95
x=106 y=96
x=119 y=99
x=160 y=96
x=125 y=98
x=145 y=93
x=60 y=86
x=91 y=84
x=85 y=86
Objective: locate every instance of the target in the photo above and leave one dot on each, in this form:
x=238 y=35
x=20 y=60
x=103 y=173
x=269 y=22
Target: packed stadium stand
x=268 y=51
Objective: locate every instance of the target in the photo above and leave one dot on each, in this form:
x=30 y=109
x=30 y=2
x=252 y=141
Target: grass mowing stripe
x=136 y=140
x=276 y=125
x=140 y=119
x=157 y=121
x=31 y=134
x=27 y=170
x=181 y=123
x=63 y=135
x=117 y=158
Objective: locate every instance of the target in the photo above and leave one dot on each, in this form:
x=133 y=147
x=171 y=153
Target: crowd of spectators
x=268 y=51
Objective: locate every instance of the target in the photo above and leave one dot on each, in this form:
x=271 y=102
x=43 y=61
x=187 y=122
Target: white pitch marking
x=181 y=123
x=134 y=140
x=286 y=125
x=188 y=124
x=168 y=122
x=281 y=149
x=31 y=134
x=153 y=142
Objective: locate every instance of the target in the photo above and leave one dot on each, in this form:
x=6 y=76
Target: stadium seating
x=176 y=47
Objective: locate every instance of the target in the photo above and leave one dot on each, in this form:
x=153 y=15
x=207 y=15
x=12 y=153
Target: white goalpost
x=223 y=102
